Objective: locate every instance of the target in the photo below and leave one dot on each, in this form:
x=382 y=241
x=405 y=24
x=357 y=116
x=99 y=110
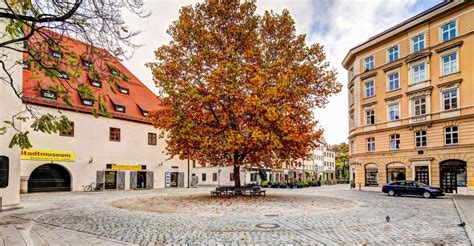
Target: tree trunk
x=237 y=175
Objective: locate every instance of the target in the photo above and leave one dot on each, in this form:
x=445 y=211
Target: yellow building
x=411 y=101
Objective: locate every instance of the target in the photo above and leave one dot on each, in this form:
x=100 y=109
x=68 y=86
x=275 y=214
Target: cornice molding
x=449 y=83
x=417 y=56
x=393 y=98
x=368 y=74
x=393 y=66
x=428 y=88
x=449 y=46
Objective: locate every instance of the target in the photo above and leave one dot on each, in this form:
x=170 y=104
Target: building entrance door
x=422 y=174
x=141 y=180
x=173 y=179
x=453 y=175
x=110 y=180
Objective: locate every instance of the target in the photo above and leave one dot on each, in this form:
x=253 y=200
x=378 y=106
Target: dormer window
x=144 y=113
x=124 y=90
x=114 y=71
x=26 y=65
x=87 y=102
x=48 y=94
x=96 y=83
x=56 y=54
x=119 y=108
x=86 y=63
x=63 y=75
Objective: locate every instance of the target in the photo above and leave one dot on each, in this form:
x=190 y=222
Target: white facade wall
x=94 y=150
x=10 y=105
x=223 y=175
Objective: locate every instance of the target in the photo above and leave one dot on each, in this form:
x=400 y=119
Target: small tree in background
x=238 y=88
x=342 y=159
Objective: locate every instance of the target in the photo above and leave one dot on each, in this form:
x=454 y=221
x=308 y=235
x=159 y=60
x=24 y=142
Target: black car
x=413 y=188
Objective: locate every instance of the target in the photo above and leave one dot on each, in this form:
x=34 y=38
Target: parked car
x=413 y=188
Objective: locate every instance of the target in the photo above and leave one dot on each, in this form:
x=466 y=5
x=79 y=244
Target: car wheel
x=391 y=193
x=426 y=194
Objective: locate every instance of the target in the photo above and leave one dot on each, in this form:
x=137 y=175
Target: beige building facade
x=411 y=101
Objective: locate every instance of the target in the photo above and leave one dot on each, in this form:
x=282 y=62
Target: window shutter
x=133 y=180
x=121 y=180
x=100 y=178
x=149 y=180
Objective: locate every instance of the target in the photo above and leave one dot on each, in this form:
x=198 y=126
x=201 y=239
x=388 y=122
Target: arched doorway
x=396 y=171
x=453 y=175
x=49 y=177
x=371 y=175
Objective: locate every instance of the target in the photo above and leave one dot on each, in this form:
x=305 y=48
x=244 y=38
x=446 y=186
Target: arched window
x=4 y=166
x=371 y=175
x=396 y=171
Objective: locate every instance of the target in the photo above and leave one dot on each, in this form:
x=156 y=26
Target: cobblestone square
x=330 y=215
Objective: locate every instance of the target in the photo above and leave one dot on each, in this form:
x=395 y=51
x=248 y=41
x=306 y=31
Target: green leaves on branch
x=20 y=139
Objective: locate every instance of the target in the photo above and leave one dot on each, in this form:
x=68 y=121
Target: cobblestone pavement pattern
x=92 y=217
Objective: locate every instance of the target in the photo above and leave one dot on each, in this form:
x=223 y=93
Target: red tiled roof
x=139 y=97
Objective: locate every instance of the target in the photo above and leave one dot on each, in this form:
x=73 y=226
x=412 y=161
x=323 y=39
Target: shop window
x=69 y=133
x=4 y=167
x=203 y=177
x=214 y=177
x=396 y=172
x=422 y=174
x=114 y=134
x=152 y=138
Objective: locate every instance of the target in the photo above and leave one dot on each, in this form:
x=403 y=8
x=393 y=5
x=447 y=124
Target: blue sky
x=337 y=24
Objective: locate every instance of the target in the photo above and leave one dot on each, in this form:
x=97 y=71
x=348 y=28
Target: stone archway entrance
x=49 y=177
x=453 y=174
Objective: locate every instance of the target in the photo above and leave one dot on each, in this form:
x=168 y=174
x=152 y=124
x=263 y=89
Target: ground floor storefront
x=452 y=169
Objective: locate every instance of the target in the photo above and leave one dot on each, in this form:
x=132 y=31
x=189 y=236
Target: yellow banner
x=47 y=155
x=126 y=167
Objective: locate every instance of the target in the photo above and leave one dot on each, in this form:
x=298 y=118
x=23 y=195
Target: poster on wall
x=167 y=179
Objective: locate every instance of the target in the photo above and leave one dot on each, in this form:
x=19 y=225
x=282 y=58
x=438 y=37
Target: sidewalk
x=16 y=232
x=465 y=206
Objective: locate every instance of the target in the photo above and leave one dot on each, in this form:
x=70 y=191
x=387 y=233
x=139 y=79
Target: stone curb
x=462 y=216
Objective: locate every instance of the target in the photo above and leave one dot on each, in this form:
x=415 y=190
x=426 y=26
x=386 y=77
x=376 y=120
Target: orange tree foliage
x=238 y=88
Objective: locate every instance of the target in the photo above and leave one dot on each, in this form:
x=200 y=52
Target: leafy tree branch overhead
x=35 y=28
x=240 y=88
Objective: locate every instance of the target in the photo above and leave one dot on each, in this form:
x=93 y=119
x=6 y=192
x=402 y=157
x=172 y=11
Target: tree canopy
x=239 y=88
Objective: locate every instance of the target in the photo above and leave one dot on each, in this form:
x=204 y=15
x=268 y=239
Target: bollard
x=0 y=204
x=359 y=186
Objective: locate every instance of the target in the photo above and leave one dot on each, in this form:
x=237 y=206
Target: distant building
x=411 y=102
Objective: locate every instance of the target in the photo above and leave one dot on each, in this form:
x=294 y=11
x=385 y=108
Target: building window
x=203 y=177
x=214 y=177
x=369 y=63
x=450 y=99
x=394 y=141
x=49 y=94
x=351 y=120
x=448 y=31
x=96 y=83
x=253 y=177
x=56 y=54
x=124 y=90
x=394 y=111
x=352 y=147
x=26 y=65
x=86 y=63
x=419 y=73
x=449 y=64
x=63 y=75
x=231 y=177
x=119 y=108
x=4 y=171
x=351 y=96
x=420 y=106
x=69 y=133
x=114 y=134
x=370 y=117
x=420 y=139
x=369 y=89
x=451 y=135
x=152 y=138
x=418 y=43
x=393 y=54
x=393 y=81
x=370 y=144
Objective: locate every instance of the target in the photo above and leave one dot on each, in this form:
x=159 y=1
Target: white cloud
x=337 y=24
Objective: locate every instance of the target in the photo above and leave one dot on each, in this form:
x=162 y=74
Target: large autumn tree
x=238 y=88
